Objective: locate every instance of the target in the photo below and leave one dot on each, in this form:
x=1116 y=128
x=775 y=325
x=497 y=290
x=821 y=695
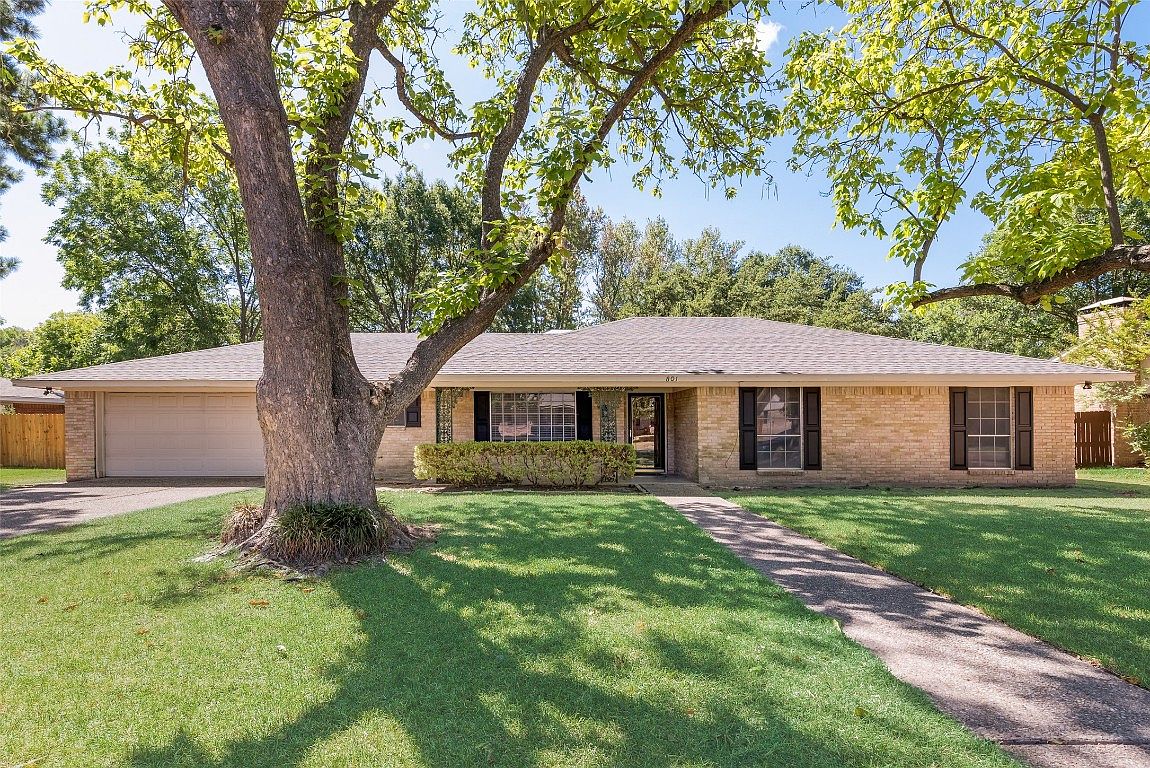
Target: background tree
x=574 y=86
x=793 y=285
x=406 y=235
x=166 y=261
x=993 y=323
x=909 y=103
x=1121 y=343
x=12 y=338
x=26 y=134
x=553 y=298
x=65 y=340
x=651 y=273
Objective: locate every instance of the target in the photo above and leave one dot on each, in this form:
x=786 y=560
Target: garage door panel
x=187 y=434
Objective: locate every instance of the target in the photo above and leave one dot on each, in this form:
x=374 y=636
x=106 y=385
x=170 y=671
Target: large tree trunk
x=320 y=426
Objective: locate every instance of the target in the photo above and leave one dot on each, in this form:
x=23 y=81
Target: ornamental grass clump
x=314 y=535
x=322 y=533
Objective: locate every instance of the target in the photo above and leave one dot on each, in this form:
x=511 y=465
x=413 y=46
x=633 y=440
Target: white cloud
x=767 y=34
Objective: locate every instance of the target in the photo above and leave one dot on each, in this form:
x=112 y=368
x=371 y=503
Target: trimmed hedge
x=575 y=463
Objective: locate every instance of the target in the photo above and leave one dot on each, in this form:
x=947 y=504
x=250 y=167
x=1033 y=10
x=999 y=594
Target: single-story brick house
x=723 y=401
x=30 y=400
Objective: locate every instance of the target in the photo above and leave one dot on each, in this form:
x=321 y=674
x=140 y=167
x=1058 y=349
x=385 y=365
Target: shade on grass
x=542 y=630
x=1070 y=566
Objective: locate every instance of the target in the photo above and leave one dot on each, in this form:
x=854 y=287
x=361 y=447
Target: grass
x=542 y=630
x=1126 y=475
x=1070 y=566
x=11 y=477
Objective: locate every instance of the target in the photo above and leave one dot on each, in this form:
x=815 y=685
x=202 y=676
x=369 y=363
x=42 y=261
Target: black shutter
x=583 y=415
x=748 y=450
x=812 y=428
x=958 y=428
x=482 y=417
x=413 y=416
x=1024 y=428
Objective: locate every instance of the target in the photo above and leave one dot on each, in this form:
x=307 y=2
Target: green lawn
x=11 y=477
x=542 y=630
x=1071 y=566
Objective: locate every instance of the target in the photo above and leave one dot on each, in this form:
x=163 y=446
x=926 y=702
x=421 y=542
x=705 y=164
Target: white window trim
x=1010 y=447
x=801 y=468
x=491 y=426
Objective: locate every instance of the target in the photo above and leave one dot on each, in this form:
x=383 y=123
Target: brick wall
x=620 y=416
x=38 y=407
x=80 y=435
x=395 y=456
x=1138 y=412
x=683 y=426
x=886 y=435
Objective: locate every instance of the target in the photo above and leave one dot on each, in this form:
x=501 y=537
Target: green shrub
x=1138 y=435
x=318 y=533
x=573 y=464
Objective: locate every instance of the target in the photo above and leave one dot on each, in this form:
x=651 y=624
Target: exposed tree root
x=310 y=539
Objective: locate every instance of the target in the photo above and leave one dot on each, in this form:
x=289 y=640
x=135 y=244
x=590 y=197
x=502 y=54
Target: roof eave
x=140 y=385
x=487 y=381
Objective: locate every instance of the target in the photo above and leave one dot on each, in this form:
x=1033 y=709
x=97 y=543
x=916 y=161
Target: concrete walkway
x=37 y=508
x=1045 y=706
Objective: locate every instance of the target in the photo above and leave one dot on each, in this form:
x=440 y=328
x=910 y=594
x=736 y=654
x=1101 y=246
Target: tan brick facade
x=1136 y=412
x=80 y=435
x=870 y=435
x=884 y=436
x=394 y=458
x=682 y=428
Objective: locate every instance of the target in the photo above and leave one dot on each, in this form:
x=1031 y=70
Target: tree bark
x=320 y=424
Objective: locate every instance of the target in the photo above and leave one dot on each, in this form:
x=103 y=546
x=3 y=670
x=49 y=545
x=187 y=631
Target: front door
x=645 y=431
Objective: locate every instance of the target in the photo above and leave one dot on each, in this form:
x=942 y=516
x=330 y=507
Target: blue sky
x=794 y=210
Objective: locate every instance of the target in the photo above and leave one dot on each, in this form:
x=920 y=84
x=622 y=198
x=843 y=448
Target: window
x=778 y=428
x=988 y=427
x=412 y=416
x=532 y=416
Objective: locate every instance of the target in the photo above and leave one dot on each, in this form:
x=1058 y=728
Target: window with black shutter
x=812 y=428
x=748 y=449
x=583 y=415
x=1024 y=428
x=958 y=428
x=410 y=417
x=482 y=416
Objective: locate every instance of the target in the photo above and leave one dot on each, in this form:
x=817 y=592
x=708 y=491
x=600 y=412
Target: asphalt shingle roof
x=642 y=346
x=10 y=393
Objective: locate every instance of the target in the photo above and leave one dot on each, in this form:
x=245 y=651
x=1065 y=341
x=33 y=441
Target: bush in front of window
x=569 y=464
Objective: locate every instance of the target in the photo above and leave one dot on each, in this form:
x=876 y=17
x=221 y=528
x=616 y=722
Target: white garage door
x=189 y=434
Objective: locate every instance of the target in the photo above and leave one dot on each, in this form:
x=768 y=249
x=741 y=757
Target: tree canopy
x=26 y=134
x=63 y=341
x=166 y=260
x=1030 y=112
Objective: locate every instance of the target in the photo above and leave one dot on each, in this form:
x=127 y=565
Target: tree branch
x=1134 y=257
x=434 y=351
x=405 y=97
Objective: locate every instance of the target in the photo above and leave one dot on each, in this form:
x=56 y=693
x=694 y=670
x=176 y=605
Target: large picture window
x=532 y=416
x=778 y=427
x=988 y=427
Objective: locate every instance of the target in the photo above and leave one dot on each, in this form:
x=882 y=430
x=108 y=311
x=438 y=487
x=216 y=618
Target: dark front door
x=645 y=431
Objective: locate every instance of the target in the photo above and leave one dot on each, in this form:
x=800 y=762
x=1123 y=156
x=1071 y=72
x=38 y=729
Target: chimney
x=1109 y=311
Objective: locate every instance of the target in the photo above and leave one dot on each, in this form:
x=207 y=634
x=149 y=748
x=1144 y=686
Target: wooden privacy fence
x=32 y=440
x=1092 y=446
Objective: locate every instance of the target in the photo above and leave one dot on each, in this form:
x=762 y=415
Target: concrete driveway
x=38 y=508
